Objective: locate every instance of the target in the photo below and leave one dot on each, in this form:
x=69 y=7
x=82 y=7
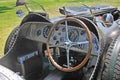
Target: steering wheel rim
x=87 y=56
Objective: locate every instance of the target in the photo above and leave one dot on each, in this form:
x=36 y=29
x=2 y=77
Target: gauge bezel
x=73 y=34
x=46 y=31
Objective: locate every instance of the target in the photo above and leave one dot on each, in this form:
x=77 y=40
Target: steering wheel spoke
x=68 y=56
x=79 y=43
x=66 y=28
x=78 y=50
x=58 y=45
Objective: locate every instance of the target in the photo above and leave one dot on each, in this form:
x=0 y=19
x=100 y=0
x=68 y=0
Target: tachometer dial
x=73 y=35
x=46 y=31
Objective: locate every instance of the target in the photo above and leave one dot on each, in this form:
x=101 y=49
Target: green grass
x=8 y=19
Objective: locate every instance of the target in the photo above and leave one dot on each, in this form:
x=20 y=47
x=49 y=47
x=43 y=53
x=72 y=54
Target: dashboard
x=38 y=31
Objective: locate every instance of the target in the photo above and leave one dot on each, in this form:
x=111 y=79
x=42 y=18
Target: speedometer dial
x=46 y=31
x=73 y=35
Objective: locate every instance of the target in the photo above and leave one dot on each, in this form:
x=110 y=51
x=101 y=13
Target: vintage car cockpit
x=63 y=48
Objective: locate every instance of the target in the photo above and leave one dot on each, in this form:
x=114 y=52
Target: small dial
x=38 y=32
x=57 y=28
x=62 y=39
x=82 y=32
x=46 y=31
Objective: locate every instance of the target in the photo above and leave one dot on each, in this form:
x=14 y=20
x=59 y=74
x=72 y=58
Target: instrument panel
x=75 y=34
x=39 y=32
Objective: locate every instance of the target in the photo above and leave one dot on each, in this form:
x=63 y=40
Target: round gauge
x=63 y=30
x=38 y=32
x=46 y=31
x=82 y=32
x=57 y=28
x=95 y=43
x=62 y=39
x=73 y=35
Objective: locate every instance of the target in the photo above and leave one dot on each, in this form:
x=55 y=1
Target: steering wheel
x=67 y=43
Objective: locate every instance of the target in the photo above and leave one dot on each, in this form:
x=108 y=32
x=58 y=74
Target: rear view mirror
x=20 y=13
x=20 y=2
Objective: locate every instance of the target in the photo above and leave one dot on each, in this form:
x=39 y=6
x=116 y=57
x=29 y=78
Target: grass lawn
x=8 y=19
